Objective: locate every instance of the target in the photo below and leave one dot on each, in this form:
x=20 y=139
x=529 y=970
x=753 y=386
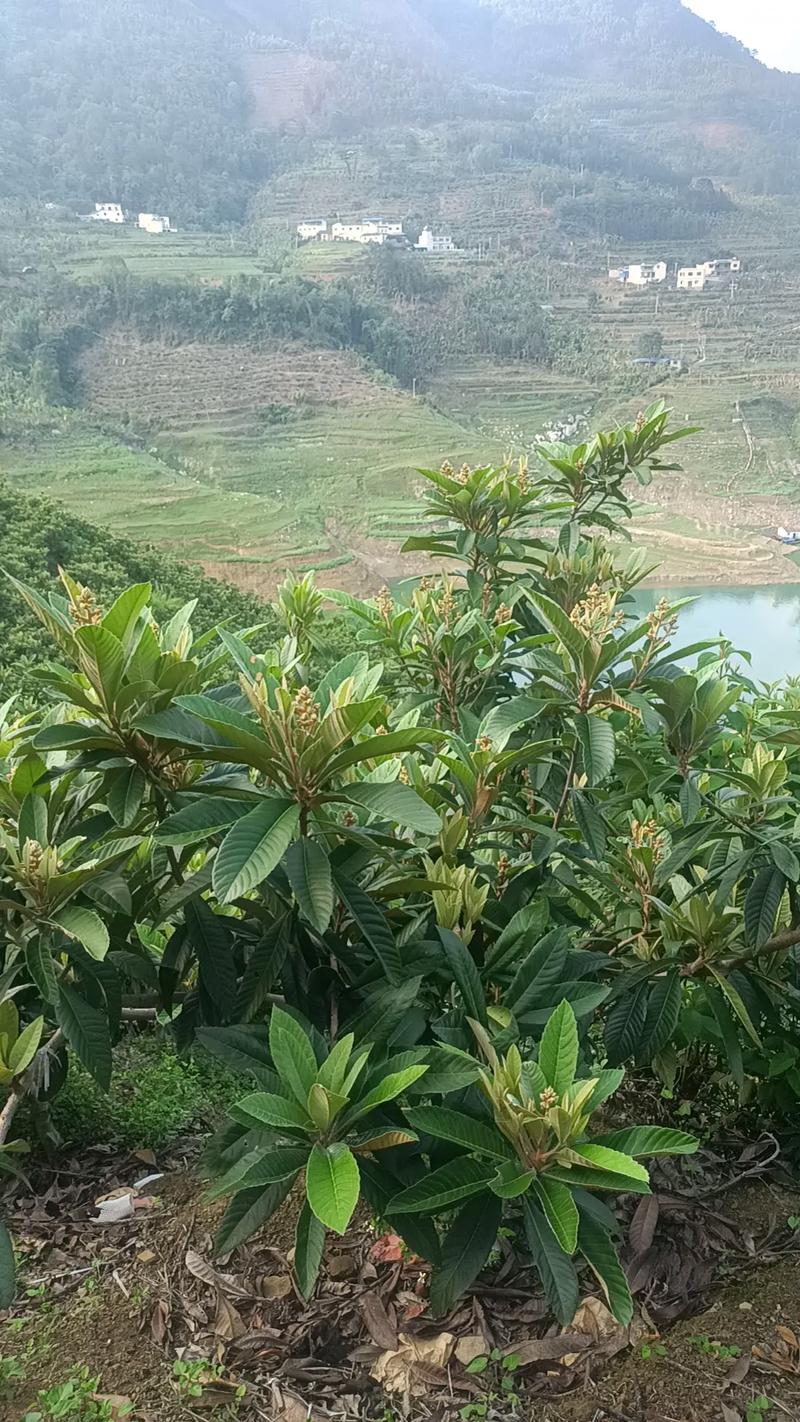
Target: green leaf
x=614 y=1162
x=601 y=1256
x=374 y=926
x=577 y=1176
x=332 y=1185
x=125 y=795
x=262 y=1108
x=204 y=817
x=468 y=980
x=557 y=623
x=292 y=1054
x=783 y=858
x=649 y=1141
x=252 y=848
x=8 y=1271
x=210 y=936
x=391 y=800
x=560 y=1211
x=736 y=1002
x=123 y=614
x=464 y=1251
x=663 y=1008
x=243 y=1047
x=511 y=1180
x=555 y=1268
x=381 y=1012
x=39 y=958
x=247 y=1212
x=596 y=737
x=761 y=904
x=262 y=968
x=538 y=973
x=26 y=1046
x=689 y=801
x=558 y=1049
x=85 y=925
x=388 y=1089
x=274 y=1164
x=625 y=1024
x=86 y=1030
x=729 y=1032
x=308 y=870
x=441 y=1188
x=591 y=824
x=447 y=1125
x=309 y=1242
x=101 y=660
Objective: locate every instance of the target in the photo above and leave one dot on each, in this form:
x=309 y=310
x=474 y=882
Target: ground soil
x=126 y=1300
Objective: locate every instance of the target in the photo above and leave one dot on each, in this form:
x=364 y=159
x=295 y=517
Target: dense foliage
x=431 y=902
x=140 y=103
x=37 y=537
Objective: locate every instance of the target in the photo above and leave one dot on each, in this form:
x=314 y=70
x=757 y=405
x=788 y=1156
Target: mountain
x=191 y=107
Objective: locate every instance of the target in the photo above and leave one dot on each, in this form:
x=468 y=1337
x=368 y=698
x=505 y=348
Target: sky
x=772 y=27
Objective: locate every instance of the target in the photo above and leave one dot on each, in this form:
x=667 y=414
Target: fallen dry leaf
x=228 y=1323
x=201 y=1269
x=389 y=1249
x=341 y=1266
x=377 y=1322
x=274 y=1286
x=598 y=1326
x=147 y=1256
x=470 y=1347
x=544 y=1350
x=159 y=1321
x=738 y=1370
x=395 y=1369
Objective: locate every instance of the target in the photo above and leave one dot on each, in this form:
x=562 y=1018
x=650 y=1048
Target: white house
x=312 y=227
x=430 y=241
x=695 y=278
x=108 y=212
x=153 y=222
x=639 y=273
x=370 y=229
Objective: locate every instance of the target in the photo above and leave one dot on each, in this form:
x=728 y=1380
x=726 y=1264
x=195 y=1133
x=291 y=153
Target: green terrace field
x=84 y=250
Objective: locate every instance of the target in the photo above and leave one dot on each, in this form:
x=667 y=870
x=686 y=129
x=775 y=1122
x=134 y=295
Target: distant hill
x=191 y=107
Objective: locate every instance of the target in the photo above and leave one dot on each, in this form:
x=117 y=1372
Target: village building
x=108 y=212
x=153 y=222
x=368 y=230
x=311 y=228
x=430 y=241
x=695 y=278
x=639 y=273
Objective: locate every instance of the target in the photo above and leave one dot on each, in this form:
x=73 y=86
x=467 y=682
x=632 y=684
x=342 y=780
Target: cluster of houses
x=114 y=212
x=640 y=274
x=377 y=231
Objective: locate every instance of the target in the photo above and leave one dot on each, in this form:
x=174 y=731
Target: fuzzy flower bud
x=306 y=710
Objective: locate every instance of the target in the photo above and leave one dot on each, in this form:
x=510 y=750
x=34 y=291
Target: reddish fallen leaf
x=159 y=1321
x=389 y=1249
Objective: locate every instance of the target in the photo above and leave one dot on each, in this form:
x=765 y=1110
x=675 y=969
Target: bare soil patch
x=122 y=375
x=715 y=1271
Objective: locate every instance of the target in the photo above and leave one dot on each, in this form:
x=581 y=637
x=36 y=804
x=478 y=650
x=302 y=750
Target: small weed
x=500 y=1368
x=75 y=1400
x=192 y=1377
x=11 y=1371
x=758 y=1408
x=652 y=1350
x=711 y=1348
x=793 y=1222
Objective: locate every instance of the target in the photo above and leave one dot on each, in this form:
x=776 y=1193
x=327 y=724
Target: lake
x=764 y=621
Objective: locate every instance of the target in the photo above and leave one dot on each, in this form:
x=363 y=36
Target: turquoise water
x=763 y=621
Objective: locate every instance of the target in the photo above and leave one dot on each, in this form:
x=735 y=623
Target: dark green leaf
x=555 y=1268
x=464 y=1251
x=247 y=1212
x=86 y=1031
x=309 y=1243
x=309 y=873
